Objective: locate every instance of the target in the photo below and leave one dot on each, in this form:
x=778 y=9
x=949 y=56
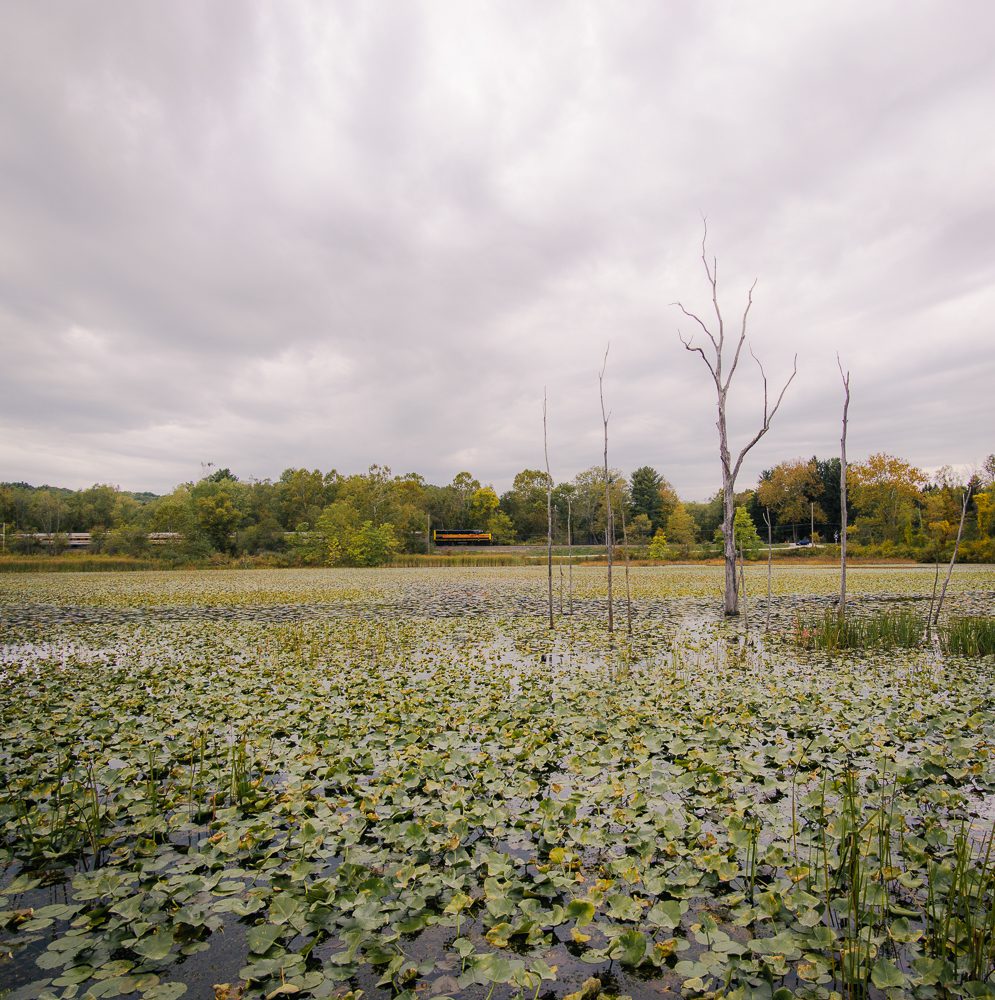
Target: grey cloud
x=336 y=235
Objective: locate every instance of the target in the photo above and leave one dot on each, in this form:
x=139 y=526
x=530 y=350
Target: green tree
x=745 y=531
x=639 y=529
x=789 y=489
x=93 y=508
x=525 y=504
x=302 y=494
x=885 y=490
x=337 y=525
x=372 y=494
x=658 y=545
x=218 y=509
x=462 y=489
x=681 y=529
x=483 y=504
x=645 y=485
x=984 y=508
x=501 y=529
x=372 y=545
x=707 y=516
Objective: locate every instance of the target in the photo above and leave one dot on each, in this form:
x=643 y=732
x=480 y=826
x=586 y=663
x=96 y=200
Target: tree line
x=310 y=517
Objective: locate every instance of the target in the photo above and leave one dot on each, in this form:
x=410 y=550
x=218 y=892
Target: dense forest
x=308 y=517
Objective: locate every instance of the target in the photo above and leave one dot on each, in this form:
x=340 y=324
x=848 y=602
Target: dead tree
x=770 y=556
x=730 y=468
x=609 y=516
x=742 y=586
x=570 y=558
x=843 y=515
x=932 y=599
x=953 y=558
x=549 y=511
x=625 y=553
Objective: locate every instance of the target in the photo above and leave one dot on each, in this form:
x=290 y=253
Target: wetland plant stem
x=570 y=559
x=846 y=406
x=770 y=556
x=625 y=552
x=549 y=512
x=609 y=517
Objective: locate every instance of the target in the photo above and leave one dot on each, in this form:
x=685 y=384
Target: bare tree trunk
x=628 y=595
x=932 y=600
x=953 y=558
x=730 y=469
x=428 y=534
x=729 y=538
x=561 y=588
x=843 y=515
x=770 y=556
x=570 y=559
x=609 y=515
x=549 y=512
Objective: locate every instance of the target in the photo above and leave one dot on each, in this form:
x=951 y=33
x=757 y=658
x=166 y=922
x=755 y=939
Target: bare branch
x=699 y=321
x=846 y=377
x=768 y=416
x=742 y=335
x=688 y=346
x=713 y=279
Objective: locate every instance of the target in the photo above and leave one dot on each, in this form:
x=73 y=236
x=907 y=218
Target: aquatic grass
x=484 y=560
x=960 y=907
x=901 y=629
x=95 y=563
x=60 y=817
x=968 y=635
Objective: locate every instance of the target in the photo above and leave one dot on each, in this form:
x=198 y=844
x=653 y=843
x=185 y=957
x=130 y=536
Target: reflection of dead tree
x=953 y=558
x=549 y=511
x=609 y=516
x=843 y=515
x=730 y=468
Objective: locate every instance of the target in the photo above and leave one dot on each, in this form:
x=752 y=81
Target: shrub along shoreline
x=82 y=562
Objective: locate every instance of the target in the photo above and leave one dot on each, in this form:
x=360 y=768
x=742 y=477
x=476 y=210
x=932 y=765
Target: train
x=460 y=536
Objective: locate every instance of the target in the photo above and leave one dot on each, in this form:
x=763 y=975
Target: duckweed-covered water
x=310 y=783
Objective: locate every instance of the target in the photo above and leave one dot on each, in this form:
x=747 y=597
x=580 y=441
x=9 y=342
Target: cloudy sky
x=333 y=234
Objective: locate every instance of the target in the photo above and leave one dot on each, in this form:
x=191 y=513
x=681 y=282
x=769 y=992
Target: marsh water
x=400 y=781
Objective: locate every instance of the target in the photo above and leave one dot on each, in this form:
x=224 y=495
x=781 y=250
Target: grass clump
x=969 y=635
x=881 y=630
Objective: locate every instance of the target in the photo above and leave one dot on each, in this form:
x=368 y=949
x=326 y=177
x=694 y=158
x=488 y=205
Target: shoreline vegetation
x=308 y=518
x=519 y=555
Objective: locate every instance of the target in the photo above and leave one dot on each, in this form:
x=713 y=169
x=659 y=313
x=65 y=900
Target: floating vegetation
x=313 y=783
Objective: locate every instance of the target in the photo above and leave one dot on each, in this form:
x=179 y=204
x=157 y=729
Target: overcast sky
x=333 y=234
